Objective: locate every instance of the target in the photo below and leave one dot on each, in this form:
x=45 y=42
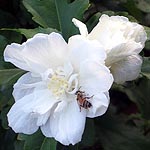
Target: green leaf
x=147 y=29
x=11 y=36
x=70 y=147
x=32 y=142
x=131 y=7
x=92 y=22
x=88 y=138
x=6 y=100
x=3 y=117
x=57 y=14
x=67 y=11
x=139 y=92
x=29 y=33
x=147 y=45
x=3 y=43
x=146 y=67
x=143 y=5
x=18 y=145
x=37 y=141
x=115 y=134
x=43 y=11
x=49 y=144
x=8 y=76
x=126 y=14
x=120 y=13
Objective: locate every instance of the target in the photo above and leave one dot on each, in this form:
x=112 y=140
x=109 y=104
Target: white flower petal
x=100 y=103
x=61 y=105
x=127 y=69
x=108 y=31
x=22 y=122
x=67 y=126
x=25 y=85
x=12 y=53
x=20 y=119
x=68 y=69
x=95 y=76
x=45 y=128
x=39 y=53
x=73 y=80
x=43 y=101
x=82 y=49
x=115 y=30
x=82 y=27
x=102 y=34
x=139 y=34
x=23 y=115
x=122 y=51
x=42 y=119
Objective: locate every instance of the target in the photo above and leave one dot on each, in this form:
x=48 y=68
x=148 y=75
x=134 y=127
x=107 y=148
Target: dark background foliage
x=126 y=125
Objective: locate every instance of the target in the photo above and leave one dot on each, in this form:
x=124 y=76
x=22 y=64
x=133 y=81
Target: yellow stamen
x=58 y=85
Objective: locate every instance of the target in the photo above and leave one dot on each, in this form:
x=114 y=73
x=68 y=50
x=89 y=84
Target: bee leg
x=89 y=97
x=92 y=96
x=80 y=108
x=79 y=88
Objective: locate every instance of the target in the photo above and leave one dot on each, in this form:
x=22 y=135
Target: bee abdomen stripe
x=85 y=104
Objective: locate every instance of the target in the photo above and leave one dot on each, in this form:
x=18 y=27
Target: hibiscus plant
x=75 y=75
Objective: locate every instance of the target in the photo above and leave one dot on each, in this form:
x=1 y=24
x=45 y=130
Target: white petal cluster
x=45 y=97
x=122 y=40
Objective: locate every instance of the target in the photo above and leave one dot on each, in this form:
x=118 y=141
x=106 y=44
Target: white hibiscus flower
x=46 y=97
x=123 y=41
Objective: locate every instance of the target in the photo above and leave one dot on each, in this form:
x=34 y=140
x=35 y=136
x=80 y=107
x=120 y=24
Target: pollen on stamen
x=57 y=85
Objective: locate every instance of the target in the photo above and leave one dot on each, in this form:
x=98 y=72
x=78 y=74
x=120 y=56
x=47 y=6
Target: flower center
x=61 y=81
x=58 y=85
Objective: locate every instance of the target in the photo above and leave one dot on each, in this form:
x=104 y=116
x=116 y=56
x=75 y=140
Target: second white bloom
x=123 y=41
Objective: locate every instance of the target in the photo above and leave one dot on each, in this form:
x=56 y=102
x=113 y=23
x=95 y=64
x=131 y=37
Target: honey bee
x=82 y=99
